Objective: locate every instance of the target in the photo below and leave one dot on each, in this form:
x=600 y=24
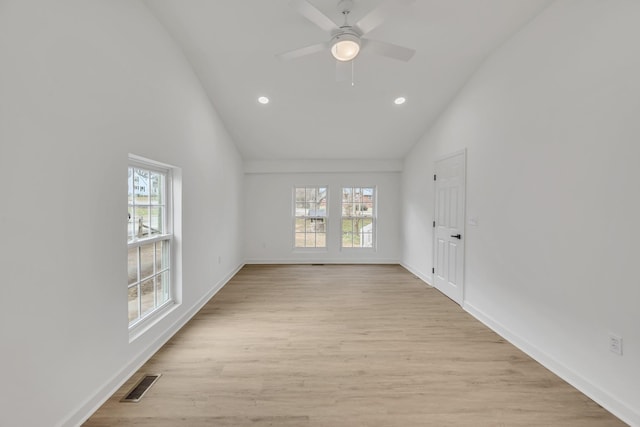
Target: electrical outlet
x=615 y=344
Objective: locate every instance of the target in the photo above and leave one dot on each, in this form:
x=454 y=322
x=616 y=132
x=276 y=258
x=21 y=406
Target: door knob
x=457 y=236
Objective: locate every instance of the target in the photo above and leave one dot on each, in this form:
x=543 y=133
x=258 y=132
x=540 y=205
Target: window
x=358 y=217
x=310 y=217
x=149 y=238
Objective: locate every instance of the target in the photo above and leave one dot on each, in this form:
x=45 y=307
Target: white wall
x=82 y=84
x=551 y=124
x=268 y=218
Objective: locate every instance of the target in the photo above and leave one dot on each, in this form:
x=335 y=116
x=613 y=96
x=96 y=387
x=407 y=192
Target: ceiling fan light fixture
x=345 y=46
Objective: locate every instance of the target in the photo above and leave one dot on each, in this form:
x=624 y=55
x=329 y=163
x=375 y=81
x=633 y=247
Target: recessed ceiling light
x=263 y=100
x=400 y=100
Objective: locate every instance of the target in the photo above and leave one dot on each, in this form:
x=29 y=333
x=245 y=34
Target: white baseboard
x=426 y=278
x=620 y=409
x=322 y=261
x=94 y=402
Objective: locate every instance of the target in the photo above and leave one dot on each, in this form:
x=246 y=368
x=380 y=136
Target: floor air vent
x=141 y=388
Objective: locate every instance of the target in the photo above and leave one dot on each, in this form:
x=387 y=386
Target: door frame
x=462 y=151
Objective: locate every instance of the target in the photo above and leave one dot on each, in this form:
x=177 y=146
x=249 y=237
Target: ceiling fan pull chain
x=352 y=73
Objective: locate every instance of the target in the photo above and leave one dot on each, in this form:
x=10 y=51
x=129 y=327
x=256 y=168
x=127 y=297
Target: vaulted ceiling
x=232 y=46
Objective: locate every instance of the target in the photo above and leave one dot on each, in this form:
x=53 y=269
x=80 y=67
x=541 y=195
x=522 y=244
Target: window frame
x=374 y=218
x=295 y=217
x=143 y=322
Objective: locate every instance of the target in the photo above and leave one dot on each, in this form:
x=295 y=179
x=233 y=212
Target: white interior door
x=448 y=271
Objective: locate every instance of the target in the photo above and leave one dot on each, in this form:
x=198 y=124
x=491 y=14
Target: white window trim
x=295 y=248
x=374 y=217
x=172 y=225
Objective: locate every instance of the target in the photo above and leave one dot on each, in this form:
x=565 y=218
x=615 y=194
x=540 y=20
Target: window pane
x=141 y=186
x=136 y=223
x=130 y=228
x=365 y=210
x=299 y=225
x=133 y=303
x=313 y=209
x=321 y=240
x=322 y=194
x=311 y=194
x=310 y=227
x=148 y=297
x=366 y=233
x=347 y=209
x=310 y=240
x=162 y=288
x=156 y=221
x=141 y=221
x=358 y=229
x=347 y=195
x=366 y=240
x=347 y=233
x=130 y=225
x=146 y=261
x=130 y=185
x=300 y=195
x=157 y=188
x=367 y=196
x=320 y=225
x=162 y=255
x=300 y=240
x=133 y=265
x=301 y=209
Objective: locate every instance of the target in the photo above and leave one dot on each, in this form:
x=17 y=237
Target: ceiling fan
x=347 y=40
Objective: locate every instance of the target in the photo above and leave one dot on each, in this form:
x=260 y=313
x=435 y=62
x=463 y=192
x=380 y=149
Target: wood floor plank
x=344 y=345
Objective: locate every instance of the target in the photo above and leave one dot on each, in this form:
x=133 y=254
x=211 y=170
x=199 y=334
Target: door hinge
x=434 y=177
x=434 y=224
x=433 y=271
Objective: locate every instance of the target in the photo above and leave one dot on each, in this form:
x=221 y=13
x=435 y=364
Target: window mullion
x=155 y=275
x=139 y=301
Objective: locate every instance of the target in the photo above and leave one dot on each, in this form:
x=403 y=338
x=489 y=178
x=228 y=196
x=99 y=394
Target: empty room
x=320 y=213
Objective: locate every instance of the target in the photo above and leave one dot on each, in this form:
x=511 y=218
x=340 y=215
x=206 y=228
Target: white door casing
x=448 y=236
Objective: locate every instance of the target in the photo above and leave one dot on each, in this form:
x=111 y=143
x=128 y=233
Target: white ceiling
x=232 y=46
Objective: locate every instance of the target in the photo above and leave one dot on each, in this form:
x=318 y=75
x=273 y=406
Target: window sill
x=140 y=328
x=359 y=249
x=306 y=250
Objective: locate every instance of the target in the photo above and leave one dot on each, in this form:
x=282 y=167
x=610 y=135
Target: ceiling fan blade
x=389 y=50
x=343 y=70
x=374 y=18
x=303 y=51
x=310 y=12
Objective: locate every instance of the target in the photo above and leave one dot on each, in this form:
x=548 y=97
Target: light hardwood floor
x=344 y=345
